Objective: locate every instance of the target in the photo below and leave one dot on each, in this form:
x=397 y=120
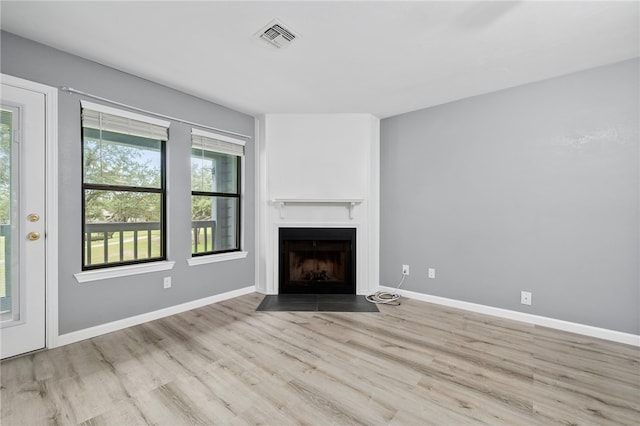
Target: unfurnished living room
x=320 y=212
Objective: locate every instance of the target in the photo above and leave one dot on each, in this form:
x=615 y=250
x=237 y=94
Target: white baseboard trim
x=587 y=330
x=87 y=333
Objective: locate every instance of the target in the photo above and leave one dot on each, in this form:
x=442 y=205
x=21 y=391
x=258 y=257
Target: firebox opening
x=317 y=260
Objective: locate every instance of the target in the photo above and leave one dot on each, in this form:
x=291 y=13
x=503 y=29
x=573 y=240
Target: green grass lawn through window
x=128 y=247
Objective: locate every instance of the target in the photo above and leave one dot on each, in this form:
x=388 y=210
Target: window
x=123 y=187
x=216 y=163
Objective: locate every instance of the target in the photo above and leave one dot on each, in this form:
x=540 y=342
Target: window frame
x=237 y=252
x=161 y=190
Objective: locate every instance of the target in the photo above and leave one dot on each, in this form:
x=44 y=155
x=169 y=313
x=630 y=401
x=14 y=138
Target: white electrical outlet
x=167 y=282
x=405 y=269
x=432 y=273
x=525 y=297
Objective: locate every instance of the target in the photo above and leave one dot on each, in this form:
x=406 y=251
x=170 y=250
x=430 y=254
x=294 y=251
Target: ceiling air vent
x=276 y=34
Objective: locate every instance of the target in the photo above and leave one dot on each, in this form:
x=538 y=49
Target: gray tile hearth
x=316 y=303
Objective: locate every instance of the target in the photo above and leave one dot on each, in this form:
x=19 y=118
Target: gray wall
x=98 y=302
x=534 y=188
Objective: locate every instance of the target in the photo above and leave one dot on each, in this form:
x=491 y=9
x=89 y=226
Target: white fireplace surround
x=317 y=171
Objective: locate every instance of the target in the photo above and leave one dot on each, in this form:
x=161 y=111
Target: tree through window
x=216 y=163
x=123 y=187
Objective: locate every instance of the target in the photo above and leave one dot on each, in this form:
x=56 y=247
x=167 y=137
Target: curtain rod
x=168 y=117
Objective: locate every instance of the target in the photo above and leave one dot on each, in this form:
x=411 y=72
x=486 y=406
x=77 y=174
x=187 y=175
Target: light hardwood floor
x=413 y=364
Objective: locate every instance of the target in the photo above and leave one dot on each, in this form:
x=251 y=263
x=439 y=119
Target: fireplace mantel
x=350 y=203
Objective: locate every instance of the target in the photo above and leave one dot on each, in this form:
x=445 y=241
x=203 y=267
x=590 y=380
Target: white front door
x=22 y=221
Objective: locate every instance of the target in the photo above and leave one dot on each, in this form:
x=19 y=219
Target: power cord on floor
x=386 y=298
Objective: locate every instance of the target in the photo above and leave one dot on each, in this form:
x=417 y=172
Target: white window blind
x=218 y=143
x=110 y=119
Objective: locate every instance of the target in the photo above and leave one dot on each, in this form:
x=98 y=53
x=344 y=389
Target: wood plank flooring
x=413 y=364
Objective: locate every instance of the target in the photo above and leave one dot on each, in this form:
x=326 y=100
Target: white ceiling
x=383 y=58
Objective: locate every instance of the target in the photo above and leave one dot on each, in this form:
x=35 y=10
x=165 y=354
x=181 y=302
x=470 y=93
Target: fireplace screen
x=317 y=260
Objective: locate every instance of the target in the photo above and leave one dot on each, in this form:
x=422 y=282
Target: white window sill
x=202 y=260
x=123 y=271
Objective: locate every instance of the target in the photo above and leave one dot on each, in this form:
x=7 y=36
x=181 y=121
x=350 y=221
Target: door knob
x=32 y=236
x=33 y=217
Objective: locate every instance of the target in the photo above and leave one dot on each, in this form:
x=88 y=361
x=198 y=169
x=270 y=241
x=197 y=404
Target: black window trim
x=162 y=190
x=237 y=195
